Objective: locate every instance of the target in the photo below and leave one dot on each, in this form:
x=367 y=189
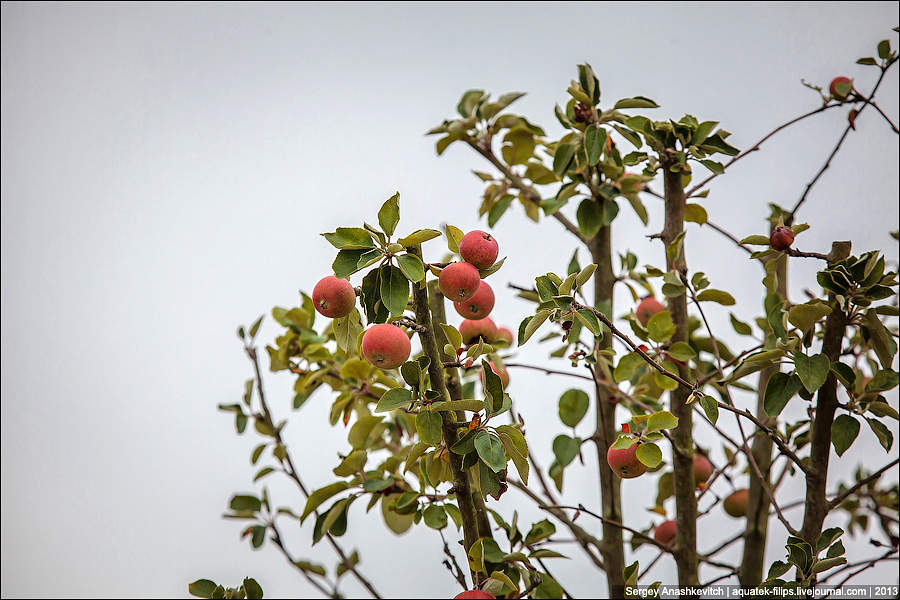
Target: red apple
x=459 y=281
x=648 y=307
x=703 y=469
x=473 y=595
x=833 y=87
x=386 y=346
x=781 y=238
x=736 y=504
x=665 y=533
x=478 y=306
x=624 y=462
x=479 y=248
x=334 y=297
x=471 y=329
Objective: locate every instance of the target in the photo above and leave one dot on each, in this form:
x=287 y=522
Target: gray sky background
x=166 y=171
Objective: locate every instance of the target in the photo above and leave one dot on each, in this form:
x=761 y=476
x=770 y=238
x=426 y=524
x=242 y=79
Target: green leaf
x=244 y=502
x=454 y=405
x=435 y=516
x=627 y=367
x=389 y=214
x=394 y=289
x=428 y=424
x=516 y=447
x=710 y=407
x=882 y=381
x=812 y=370
x=530 y=324
x=412 y=267
x=454 y=236
x=880 y=339
x=202 y=588
x=346 y=263
x=779 y=390
x=563 y=158
x=636 y=102
x=468 y=102
x=499 y=208
x=573 y=405
x=393 y=399
x=884 y=435
x=490 y=450
x=660 y=326
x=844 y=430
x=804 y=316
x=884 y=49
x=419 y=236
x=252 y=589
x=565 y=449
x=681 y=351
x=662 y=419
x=352 y=463
x=720 y=296
x=540 y=531
x=360 y=431
x=756 y=240
x=715 y=167
x=594 y=142
x=321 y=495
x=739 y=326
x=695 y=214
x=649 y=454
x=828 y=563
x=350 y=238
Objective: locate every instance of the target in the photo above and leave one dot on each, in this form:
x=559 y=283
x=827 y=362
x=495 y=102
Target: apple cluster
x=386 y=346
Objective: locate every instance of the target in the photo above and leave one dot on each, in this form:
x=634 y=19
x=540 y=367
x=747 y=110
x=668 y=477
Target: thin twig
x=293 y=474
x=834 y=151
x=844 y=495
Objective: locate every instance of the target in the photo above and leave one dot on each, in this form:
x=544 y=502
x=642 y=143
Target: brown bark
x=685 y=550
x=758 y=503
x=461 y=482
x=613 y=549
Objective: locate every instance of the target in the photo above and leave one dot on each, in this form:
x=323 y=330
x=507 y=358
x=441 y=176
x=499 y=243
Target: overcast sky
x=166 y=171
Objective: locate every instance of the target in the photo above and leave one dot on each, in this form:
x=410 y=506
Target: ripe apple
x=648 y=307
x=471 y=329
x=385 y=346
x=478 y=306
x=833 y=87
x=473 y=595
x=459 y=281
x=703 y=469
x=506 y=334
x=781 y=238
x=736 y=504
x=624 y=462
x=334 y=297
x=665 y=533
x=479 y=248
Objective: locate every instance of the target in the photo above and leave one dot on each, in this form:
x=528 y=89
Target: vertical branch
x=816 y=506
x=685 y=550
x=454 y=388
x=758 y=503
x=461 y=484
x=613 y=550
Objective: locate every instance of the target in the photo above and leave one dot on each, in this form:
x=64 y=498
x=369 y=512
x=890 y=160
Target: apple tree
x=434 y=441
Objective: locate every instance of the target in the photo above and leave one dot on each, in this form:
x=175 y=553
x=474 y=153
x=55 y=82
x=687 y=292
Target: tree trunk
x=685 y=550
x=613 y=549
x=758 y=503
